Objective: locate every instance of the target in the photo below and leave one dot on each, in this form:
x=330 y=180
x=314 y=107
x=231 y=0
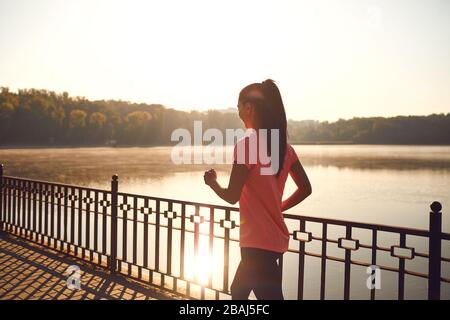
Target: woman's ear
x=251 y=110
x=248 y=108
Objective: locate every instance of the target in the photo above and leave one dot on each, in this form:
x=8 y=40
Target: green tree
x=77 y=123
x=137 y=126
x=6 y=117
x=97 y=122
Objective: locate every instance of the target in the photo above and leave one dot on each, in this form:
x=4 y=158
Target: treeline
x=41 y=117
x=431 y=129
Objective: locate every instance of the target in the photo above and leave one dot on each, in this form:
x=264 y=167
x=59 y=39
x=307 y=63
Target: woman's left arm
x=304 y=188
x=239 y=174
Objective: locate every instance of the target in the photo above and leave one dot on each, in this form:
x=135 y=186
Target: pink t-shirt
x=261 y=221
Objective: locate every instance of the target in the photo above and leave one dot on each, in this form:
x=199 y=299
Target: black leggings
x=260 y=272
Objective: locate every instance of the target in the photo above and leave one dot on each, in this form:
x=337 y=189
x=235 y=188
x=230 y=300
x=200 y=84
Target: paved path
x=30 y=271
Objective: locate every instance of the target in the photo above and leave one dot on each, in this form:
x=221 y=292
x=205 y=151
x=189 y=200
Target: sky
x=331 y=59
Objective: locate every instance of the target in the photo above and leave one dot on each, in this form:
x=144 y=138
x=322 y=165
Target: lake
x=391 y=185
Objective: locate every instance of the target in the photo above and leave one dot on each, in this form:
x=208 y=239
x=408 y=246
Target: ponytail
x=271 y=113
x=276 y=119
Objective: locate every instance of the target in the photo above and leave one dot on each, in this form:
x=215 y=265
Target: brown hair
x=270 y=111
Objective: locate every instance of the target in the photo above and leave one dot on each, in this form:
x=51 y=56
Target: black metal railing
x=159 y=240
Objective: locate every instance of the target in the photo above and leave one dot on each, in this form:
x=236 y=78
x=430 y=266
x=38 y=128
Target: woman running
x=258 y=185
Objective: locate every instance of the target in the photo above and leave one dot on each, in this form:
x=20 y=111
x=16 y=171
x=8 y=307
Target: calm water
x=380 y=184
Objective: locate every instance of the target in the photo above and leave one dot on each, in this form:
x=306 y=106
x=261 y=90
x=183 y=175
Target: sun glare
x=204 y=265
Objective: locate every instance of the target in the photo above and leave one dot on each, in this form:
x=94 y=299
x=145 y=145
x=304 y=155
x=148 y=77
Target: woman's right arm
x=304 y=188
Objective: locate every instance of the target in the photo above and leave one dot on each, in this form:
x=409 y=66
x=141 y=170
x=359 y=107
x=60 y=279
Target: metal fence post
x=113 y=258
x=1 y=198
x=434 y=260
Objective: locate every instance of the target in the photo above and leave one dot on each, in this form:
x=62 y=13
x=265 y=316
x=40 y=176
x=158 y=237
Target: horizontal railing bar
x=163 y=225
x=203 y=233
x=59 y=184
x=200 y=204
x=445 y=236
x=360 y=225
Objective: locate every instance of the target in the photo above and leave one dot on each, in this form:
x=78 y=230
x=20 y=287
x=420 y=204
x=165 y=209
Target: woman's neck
x=252 y=125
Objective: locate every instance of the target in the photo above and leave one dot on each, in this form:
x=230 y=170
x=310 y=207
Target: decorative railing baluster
x=374 y=258
x=35 y=225
x=46 y=212
x=104 y=221
x=401 y=270
x=2 y=209
x=124 y=214
x=301 y=264
x=18 y=208
x=40 y=213
x=435 y=252
x=96 y=213
x=158 y=216
x=169 y=238
x=8 y=201
x=24 y=208
x=20 y=211
x=28 y=196
x=59 y=224
x=113 y=231
x=348 y=253
x=14 y=197
x=9 y=204
x=182 y=245
x=73 y=198
x=323 y=263
x=87 y=232
x=226 y=252
x=211 y=243
x=135 y=231
x=52 y=213
x=146 y=212
x=80 y=223
x=196 y=240
x=66 y=216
